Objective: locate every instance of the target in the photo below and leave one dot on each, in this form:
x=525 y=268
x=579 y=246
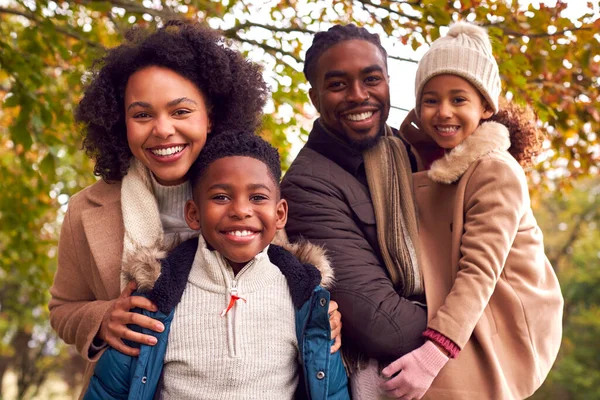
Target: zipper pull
x=233 y=298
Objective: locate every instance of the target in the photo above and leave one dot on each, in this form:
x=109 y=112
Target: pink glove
x=417 y=369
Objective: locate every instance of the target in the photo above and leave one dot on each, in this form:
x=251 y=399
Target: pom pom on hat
x=466 y=52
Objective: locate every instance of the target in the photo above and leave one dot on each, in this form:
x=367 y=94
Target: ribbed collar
x=212 y=272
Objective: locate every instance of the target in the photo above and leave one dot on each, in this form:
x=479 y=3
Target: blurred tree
x=46 y=46
x=571 y=223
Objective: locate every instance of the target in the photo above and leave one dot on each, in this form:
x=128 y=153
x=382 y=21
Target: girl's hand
x=335 y=320
x=114 y=324
x=415 y=372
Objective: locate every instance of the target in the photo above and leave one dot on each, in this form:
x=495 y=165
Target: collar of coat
x=303 y=264
x=490 y=136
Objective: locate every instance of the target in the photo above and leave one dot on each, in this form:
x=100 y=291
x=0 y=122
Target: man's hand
x=415 y=372
x=335 y=320
x=114 y=324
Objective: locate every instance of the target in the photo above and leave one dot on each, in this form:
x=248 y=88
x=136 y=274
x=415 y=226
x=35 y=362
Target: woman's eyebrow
x=181 y=100
x=142 y=104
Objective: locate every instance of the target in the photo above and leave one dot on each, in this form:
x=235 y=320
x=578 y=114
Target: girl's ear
x=192 y=215
x=487 y=112
x=282 y=213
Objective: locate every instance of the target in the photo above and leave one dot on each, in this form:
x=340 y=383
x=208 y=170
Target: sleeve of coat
x=75 y=314
x=376 y=319
x=496 y=197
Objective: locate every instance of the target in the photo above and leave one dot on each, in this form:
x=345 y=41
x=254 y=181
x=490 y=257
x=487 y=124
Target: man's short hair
x=335 y=35
x=232 y=144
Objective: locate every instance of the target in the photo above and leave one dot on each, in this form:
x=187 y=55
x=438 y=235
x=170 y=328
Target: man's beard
x=364 y=144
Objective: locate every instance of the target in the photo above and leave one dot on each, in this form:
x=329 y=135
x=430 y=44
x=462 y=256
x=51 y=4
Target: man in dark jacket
x=330 y=201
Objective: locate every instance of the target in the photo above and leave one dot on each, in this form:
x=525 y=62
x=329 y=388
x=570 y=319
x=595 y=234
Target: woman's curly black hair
x=526 y=137
x=233 y=87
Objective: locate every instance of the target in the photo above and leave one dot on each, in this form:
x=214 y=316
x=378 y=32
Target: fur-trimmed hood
x=164 y=277
x=490 y=136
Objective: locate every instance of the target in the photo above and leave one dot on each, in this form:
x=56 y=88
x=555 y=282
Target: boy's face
x=451 y=110
x=237 y=207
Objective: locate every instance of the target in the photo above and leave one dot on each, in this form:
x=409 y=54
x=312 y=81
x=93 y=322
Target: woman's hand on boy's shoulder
x=335 y=321
x=113 y=328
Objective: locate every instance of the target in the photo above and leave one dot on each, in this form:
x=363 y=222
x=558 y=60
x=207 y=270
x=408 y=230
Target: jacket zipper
x=231 y=311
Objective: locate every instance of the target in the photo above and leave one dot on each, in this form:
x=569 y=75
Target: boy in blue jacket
x=244 y=319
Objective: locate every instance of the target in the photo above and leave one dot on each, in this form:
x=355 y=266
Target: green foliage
x=46 y=47
x=571 y=223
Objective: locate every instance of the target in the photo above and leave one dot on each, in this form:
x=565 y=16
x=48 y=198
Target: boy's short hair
x=232 y=144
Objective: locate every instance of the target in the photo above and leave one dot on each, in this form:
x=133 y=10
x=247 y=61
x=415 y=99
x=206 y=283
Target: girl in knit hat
x=494 y=303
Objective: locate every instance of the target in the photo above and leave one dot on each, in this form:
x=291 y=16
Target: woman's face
x=167 y=122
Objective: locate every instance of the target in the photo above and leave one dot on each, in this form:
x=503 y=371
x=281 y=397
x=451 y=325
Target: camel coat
x=489 y=286
x=87 y=280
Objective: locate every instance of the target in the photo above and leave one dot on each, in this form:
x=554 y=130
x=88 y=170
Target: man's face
x=351 y=91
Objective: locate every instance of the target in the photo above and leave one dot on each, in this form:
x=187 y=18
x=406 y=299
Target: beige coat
x=87 y=279
x=488 y=283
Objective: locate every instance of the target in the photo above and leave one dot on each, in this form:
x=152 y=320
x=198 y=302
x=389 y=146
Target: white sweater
x=251 y=352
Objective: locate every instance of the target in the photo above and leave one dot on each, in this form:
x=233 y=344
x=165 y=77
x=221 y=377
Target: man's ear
x=192 y=215
x=314 y=98
x=282 y=214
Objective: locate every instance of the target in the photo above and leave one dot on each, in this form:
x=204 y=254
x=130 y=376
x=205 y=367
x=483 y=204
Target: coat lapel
x=103 y=227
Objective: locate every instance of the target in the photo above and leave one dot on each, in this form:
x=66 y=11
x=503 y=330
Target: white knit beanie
x=465 y=51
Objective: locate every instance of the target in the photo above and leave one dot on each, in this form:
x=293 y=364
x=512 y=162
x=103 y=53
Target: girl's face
x=167 y=122
x=451 y=110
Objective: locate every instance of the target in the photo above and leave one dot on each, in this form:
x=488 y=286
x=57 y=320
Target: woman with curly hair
x=493 y=300
x=146 y=116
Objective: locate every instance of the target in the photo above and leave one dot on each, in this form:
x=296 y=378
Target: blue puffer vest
x=118 y=376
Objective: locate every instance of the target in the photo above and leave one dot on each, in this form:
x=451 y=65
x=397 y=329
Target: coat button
x=144 y=379
x=322 y=301
x=320 y=375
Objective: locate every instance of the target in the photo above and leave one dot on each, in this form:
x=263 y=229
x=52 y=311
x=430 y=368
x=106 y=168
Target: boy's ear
x=314 y=98
x=192 y=215
x=282 y=214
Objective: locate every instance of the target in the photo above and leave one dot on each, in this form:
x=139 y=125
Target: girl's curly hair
x=526 y=137
x=234 y=88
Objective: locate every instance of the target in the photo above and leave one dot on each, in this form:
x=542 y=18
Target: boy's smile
x=237 y=208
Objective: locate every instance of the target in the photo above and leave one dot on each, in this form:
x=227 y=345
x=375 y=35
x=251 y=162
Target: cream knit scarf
x=390 y=181
x=141 y=218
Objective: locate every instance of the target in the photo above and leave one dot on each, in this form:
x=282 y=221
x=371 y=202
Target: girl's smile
x=451 y=109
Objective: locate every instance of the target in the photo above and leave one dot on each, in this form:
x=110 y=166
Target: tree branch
x=590 y=212
x=403 y=59
x=366 y=3
x=270 y=49
x=535 y=35
x=231 y=31
x=34 y=18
